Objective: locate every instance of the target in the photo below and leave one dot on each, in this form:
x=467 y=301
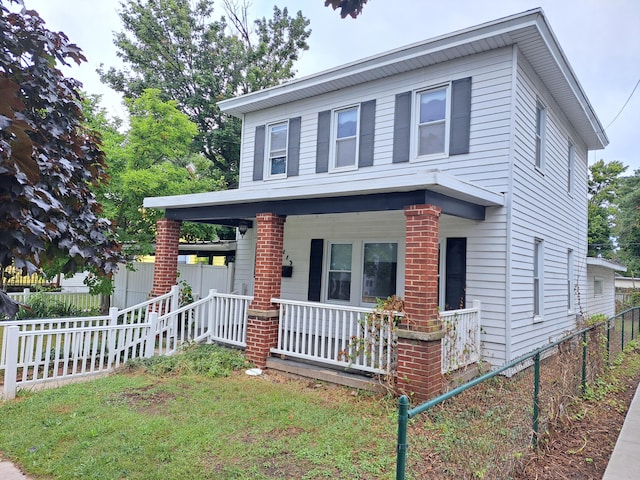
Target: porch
x=344 y=271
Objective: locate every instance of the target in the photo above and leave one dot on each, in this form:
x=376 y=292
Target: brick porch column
x=165 y=270
x=419 y=343
x=262 y=326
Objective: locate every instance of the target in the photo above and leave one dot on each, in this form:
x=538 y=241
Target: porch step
x=317 y=372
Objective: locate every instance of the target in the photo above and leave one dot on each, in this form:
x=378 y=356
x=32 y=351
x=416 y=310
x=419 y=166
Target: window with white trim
x=345 y=135
x=541 y=120
x=277 y=138
x=570 y=282
x=379 y=270
x=432 y=112
x=368 y=269
x=571 y=155
x=538 y=279
x=598 y=286
x=339 y=274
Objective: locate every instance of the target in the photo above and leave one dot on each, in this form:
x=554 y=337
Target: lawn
x=180 y=417
x=145 y=426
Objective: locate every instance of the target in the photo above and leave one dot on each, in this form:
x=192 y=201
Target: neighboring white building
x=601 y=286
x=489 y=124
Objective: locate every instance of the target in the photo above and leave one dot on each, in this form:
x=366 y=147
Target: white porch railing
x=461 y=342
x=218 y=317
x=335 y=335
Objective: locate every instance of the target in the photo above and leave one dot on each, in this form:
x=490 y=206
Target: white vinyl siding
x=603 y=302
x=541 y=208
x=486 y=164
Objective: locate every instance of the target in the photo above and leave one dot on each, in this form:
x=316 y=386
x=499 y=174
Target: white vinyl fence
x=44 y=350
x=81 y=300
x=133 y=287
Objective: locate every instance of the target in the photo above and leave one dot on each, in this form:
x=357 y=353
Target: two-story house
x=447 y=171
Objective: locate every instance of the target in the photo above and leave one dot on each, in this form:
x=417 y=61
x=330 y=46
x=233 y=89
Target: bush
x=43 y=306
x=207 y=360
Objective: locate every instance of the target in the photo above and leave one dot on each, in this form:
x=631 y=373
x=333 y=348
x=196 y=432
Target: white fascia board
x=604 y=263
x=433 y=180
x=243 y=104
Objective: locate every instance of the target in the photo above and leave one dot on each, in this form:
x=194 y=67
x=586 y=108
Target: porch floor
x=299 y=368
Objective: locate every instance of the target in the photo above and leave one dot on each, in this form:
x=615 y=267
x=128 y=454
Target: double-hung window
x=432 y=137
x=277 y=150
x=538 y=280
x=346 y=137
x=571 y=155
x=541 y=120
x=368 y=269
x=339 y=275
x=570 y=282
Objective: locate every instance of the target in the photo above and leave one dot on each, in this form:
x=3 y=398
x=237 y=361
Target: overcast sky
x=600 y=38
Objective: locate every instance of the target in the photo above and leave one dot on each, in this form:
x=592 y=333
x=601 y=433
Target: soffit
x=528 y=30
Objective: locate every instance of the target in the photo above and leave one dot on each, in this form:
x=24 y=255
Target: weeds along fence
x=490 y=426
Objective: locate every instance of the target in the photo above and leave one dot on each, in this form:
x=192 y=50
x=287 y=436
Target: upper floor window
x=571 y=154
x=541 y=120
x=277 y=149
x=432 y=116
x=346 y=137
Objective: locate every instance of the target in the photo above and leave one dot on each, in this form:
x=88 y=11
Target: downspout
x=509 y=206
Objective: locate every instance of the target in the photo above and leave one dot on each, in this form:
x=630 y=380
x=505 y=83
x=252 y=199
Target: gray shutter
x=402 y=128
x=324 y=134
x=460 y=116
x=367 y=129
x=315 y=270
x=258 y=153
x=293 y=149
x=456 y=274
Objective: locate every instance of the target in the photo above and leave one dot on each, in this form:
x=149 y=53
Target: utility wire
x=623 y=106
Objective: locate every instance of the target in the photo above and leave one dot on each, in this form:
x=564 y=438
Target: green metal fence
x=556 y=375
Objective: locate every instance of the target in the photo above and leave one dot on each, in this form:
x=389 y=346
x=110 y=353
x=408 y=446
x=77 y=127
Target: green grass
x=137 y=425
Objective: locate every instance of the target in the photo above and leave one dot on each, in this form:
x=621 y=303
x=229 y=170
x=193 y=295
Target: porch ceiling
x=454 y=196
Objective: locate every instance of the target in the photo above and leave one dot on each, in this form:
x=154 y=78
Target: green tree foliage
x=352 y=8
x=177 y=48
x=50 y=163
x=604 y=186
x=153 y=158
x=629 y=223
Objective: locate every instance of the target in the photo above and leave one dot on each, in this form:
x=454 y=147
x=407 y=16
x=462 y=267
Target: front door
x=455 y=273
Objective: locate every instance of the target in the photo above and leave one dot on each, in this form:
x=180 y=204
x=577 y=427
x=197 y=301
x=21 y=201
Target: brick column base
x=419 y=364
x=262 y=336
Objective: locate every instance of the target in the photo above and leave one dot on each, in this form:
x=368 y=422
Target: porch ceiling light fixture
x=242 y=227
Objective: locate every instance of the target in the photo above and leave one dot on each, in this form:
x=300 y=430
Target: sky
x=600 y=38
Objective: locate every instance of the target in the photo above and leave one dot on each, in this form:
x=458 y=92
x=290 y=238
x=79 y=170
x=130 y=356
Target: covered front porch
x=327 y=304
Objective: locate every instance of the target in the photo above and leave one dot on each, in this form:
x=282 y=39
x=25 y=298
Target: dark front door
x=455 y=274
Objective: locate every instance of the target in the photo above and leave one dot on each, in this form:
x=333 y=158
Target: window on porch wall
x=376 y=267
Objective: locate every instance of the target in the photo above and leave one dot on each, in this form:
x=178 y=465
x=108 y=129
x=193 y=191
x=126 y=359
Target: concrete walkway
x=8 y=471
x=624 y=463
